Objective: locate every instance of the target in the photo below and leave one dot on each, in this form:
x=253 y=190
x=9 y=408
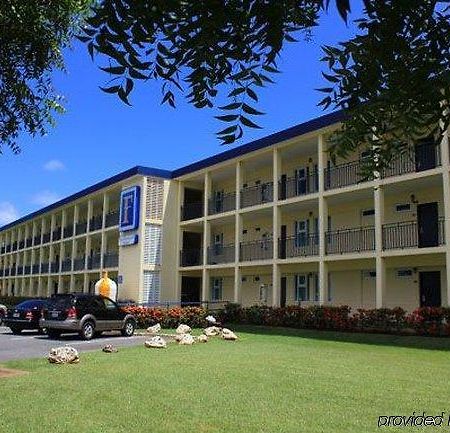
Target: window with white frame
x=216 y=289
x=403 y=207
x=152 y=287
x=404 y=273
x=152 y=244
x=301 y=287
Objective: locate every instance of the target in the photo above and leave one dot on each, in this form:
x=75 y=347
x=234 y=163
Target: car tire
x=87 y=330
x=129 y=328
x=16 y=331
x=53 y=333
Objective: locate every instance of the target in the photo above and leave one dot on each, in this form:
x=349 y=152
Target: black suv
x=89 y=315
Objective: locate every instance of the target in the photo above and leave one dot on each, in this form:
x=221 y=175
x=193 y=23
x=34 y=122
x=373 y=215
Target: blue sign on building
x=130 y=199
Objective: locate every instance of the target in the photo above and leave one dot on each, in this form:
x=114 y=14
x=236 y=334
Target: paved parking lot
x=32 y=345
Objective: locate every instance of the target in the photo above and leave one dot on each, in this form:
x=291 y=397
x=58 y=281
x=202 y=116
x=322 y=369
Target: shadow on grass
x=412 y=342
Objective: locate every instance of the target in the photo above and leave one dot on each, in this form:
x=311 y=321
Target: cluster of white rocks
x=63 y=355
x=183 y=336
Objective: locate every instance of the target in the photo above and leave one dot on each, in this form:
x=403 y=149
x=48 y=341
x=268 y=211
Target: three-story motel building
x=271 y=222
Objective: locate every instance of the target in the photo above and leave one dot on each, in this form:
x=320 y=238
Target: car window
x=97 y=304
x=30 y=305
x=110 y=305
x=60 y=302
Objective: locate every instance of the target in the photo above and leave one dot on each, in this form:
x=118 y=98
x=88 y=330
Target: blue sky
x=99 y=136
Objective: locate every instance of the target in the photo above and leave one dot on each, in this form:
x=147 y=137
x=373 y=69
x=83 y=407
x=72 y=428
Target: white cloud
x=44 y=198
x=54 y=165
x=8 y=213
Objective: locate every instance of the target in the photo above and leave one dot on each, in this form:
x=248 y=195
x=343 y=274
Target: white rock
x=211 y=331
x=228 y=335
x=202 y=338
x=187 y=340
x=178 y=337
x=63 y=355
x=183 y=329
x=154 y=329
x=156 y=342
x=211 y=319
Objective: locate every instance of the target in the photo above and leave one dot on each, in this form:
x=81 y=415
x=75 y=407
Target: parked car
x=86 y=314
x=25 y=315
x=3 y=310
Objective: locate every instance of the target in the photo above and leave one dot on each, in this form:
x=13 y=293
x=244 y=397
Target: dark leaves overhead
x=200 y=47
x=393 y=79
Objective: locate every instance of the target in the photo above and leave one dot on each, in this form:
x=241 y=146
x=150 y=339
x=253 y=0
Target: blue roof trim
x=270 y=140
x=138 y=170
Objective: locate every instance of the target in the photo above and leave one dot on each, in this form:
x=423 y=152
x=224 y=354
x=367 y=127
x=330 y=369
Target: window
x=301 y=288
x=218 y=201
x=217 y=289
x=316 y=287
x=154 y=198
x=369 y=274
x=110 y=305
x=404 y=273
x=368 y=212
x=152 y=244
x=403 y=207
x=301 y=230
x=218 y=243
x=263 y=293
x=152 y=287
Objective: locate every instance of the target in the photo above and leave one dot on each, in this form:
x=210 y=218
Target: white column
x=323 y=221
x=380 y=292
x=276 y=229
x=179 y=239
x=446 y=192
x=237 y=235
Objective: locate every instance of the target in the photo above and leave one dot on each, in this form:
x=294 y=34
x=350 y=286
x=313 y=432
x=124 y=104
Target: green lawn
x=271 y=380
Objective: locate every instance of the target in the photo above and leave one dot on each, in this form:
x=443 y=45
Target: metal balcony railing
x=408 y=235
x=19 y=270
x=66 y=265
x=54 y=267
x=112 y=218
x=68 y=231
x=224 y=203
x=21 y=245
x=2 y=250
x=190 y=211
x=256 y=250
x=56 y=235
x=221 y=254
x=13 y=271
x=7 y=272
x=296 y=186
x=191 y=257
x=343 y=175
x=94 y=261
x=45 y=238
x=299 y=246
x=258 y=194
x=111 y=260
x=8 y=248
x=350 y=240
x=29 y=242
x=422 y=157
x=80 y=227
x=14 y=246
x=35 y=269
x=37 y=240
x=27 y=269
x=44 y=268
x=2 y=272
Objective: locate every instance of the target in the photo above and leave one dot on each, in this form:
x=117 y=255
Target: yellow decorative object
x=106 y=287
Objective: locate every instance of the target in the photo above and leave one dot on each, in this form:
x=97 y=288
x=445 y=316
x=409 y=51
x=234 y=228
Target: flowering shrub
x=430 y=321
x=168 y=317
x=380 y=320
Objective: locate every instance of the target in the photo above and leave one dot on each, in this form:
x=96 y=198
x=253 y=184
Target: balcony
x=37 y=240
x=95 y=223
x=354 y=240
x=27 y=269
x=256 y=250
x=112 y=218
x=66 y=265
x=111 y=260
x=21 y=244
x=13 y=270
x=191 y=257
x=81 y=228
x=423 y=157
x=8 y=248
x=44 y=268
x=19 y=270
x=299 y=246
x=56 y=235
x=221 y=254
x=54 y=267
x=79 y=263
x=29 y=242
x=343 y=175
x=14 y=246
x=190 y=211
x=68 y=231
x=35 y=269
x=2 y=250
x=297 y=186
x=258 y=194
x=2 y=272
x=408 y=235
x=94 y=261
x=222 y=203
x=45 y=238
x=7 y=272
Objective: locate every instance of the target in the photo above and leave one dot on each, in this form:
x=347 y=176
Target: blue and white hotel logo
x=130 y=199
